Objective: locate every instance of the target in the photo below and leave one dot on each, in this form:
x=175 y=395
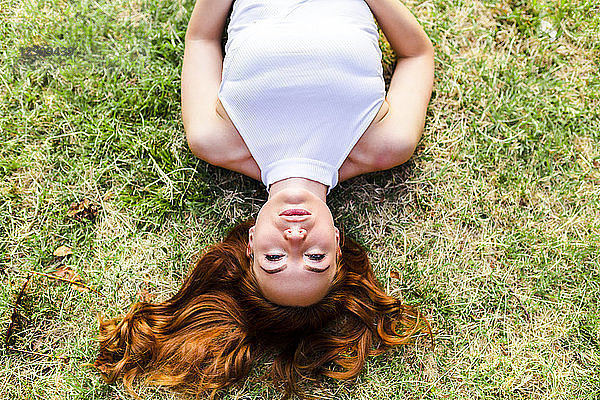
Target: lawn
x=492 y=228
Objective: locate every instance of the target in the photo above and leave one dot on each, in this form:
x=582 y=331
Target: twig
x=73 y=282
x=15 y=313
x=34 y=353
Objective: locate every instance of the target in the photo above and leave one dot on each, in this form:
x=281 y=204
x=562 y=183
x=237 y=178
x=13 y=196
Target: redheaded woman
x=298 y=102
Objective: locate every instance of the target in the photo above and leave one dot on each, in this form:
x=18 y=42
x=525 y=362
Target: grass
x=493 y=225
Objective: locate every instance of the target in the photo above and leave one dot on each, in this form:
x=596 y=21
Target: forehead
x=296 y=266
x=296 y=275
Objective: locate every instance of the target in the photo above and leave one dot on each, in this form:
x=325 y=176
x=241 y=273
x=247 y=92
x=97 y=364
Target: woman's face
x=295 y=247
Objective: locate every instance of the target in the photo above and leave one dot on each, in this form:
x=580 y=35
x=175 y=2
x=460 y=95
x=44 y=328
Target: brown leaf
x=83 y=289
x=83 y=210
x=145 y=296
x=596 y=163
x=63 y=251
x=102 y=367
x=394 y=275
x=66 y=273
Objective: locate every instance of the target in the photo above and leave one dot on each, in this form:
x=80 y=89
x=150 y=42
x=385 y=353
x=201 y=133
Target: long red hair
x=209 y=334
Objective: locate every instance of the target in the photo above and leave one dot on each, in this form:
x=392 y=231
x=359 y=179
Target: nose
x=294 y=233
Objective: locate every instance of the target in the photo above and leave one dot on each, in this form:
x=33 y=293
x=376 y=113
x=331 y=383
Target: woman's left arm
x=392 y=140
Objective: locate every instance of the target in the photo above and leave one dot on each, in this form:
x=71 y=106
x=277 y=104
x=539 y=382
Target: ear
x=337 y=241
x=249 y=249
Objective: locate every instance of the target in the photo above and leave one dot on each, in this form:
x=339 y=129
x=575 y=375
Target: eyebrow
x=306 y=267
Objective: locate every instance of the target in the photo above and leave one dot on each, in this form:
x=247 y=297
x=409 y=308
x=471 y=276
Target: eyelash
x=277 y=257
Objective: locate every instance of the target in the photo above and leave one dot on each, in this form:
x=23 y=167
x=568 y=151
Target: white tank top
x=302 y=80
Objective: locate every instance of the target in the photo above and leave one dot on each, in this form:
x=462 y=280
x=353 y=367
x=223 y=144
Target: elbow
x=395 y=152
x=425 y=52
x=194 y=142
x=424 y=46
x=199 y=142
x=208 y=144
x=428 y=48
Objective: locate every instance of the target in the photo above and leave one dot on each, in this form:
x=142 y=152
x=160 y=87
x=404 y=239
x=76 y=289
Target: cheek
x=261 y=245
x=327 y=237
x=264 y=231
x=256 y=276
x=333 y=273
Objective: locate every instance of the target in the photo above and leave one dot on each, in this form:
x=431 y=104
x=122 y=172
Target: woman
x=298 y=102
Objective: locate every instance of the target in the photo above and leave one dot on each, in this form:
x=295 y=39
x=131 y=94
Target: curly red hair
x=208 y=335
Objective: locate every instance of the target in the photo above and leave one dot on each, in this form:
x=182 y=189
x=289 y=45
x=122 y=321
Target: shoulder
x=385 y=144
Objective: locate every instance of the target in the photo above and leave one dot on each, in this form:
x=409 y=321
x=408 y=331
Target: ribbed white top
x=302 y=80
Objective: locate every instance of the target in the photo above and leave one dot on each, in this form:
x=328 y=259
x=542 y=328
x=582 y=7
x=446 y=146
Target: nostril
x=295 y=233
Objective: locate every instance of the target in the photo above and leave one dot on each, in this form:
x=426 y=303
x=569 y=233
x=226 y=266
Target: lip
x=295 y=212
x=295 y=218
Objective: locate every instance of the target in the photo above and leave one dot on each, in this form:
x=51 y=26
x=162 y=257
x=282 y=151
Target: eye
x=273 y=257
x=315 y=257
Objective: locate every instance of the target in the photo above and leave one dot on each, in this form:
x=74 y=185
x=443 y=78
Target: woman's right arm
x=210 y=137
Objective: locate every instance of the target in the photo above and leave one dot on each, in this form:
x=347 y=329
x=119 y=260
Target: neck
x=317 y=188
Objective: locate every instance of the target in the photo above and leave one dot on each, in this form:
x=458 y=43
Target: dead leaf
x=394 y=275
x=596 y=163
x=67 y=274
x=145 y=296
x=63 y=251
x=102 y=367
x=83 y=289
x=83 y=210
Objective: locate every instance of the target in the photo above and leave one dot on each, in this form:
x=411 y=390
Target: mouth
x=295 y=215
x=295 y=212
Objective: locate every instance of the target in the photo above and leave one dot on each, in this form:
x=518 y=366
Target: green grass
x=493 y=225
